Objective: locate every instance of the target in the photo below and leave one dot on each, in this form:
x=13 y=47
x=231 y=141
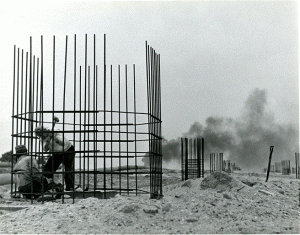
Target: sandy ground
x=217 y=204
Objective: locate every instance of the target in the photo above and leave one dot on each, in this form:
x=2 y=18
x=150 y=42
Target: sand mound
x=216 y=204
x=220 y=180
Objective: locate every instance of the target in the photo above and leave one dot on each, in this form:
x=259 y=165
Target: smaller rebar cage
x=216 y=162
x=192 y=158
x=97 y=115
x=286 y=167
x=277 y=166
x=227 y=166
x=297 y=165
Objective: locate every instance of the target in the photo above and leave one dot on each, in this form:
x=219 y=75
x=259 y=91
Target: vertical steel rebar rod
x=22 y=84
x=37 y=99
x=198 y=157
x=153 y=123
x=85 y=109
x=30 y=96
x=182 y=159
x=88 y=134
x=64 y=109
x=210 y=163
x=94 y=116
x=17 y=113
x=53 y=96
x=201 y=154
x=104 y=116
x=126 y=103
x=111 y=127
x=13 y=112
x=26 y=95
x=74 y=107
x=30 y=115
x=159 y=127
x=153 y=149
x=214 y=162
x=150 y=122
x=297 y=165
x=135 y=139
x=96 y=123
x=81 y=177
x=42 y=105
x=96 y=130
x=120 y=163
x=154 y=113
x=202 y=157
x=42 y=83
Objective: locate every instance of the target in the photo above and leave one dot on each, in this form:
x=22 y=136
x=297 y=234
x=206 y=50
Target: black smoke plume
x=245 y=140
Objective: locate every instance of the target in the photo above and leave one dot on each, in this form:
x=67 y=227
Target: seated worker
x=63 y=152
x=27 y=174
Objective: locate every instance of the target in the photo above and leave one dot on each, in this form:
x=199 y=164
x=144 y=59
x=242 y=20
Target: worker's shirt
x=26 y=169
x=54 y=146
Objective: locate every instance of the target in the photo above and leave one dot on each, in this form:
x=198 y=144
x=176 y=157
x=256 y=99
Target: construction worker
x=27 y=175
x=62 y=152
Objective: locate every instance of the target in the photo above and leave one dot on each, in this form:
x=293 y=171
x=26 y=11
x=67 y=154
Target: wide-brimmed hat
x=20 y=149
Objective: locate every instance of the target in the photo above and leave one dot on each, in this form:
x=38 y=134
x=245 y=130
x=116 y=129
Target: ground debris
x=222 y=207
x=227 y=196
x=265 y=192
x=150 y=209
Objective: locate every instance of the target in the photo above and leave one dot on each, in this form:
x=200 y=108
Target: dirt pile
x=220 y=181
x=218 y=203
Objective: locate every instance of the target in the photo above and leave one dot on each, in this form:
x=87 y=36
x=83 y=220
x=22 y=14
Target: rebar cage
x=216 y=162
x=297 y=165
x=227 y=166
x=286 y=167
x=97 y=114
x=192 y=158
x=277 y=167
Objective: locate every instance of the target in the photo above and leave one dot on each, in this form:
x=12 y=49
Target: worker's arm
x=47 y=142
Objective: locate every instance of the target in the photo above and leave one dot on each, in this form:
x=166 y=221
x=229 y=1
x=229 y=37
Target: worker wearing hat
x=20 y=150
x=27 y=172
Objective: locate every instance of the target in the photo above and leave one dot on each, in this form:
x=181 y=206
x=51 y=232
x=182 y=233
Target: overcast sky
x=213 y=54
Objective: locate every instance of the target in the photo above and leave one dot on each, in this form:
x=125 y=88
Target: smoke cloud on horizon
x=245 y=140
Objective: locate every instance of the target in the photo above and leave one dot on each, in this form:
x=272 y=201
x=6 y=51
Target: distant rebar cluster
x=297 y=165
x=216 y=162
x=192 y=158
x=97 y=112
x=286 y=168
